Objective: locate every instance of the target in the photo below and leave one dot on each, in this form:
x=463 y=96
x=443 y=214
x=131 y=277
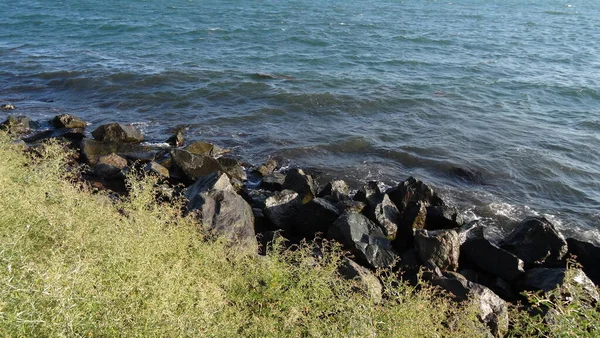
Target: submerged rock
x=116 y=132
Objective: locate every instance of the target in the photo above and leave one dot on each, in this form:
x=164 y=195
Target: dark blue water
x=495 y=103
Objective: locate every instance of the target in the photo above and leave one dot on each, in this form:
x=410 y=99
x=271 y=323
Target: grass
x=77 y=263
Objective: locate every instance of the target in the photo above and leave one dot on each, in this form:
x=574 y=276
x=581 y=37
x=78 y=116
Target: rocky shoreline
x=406 y=228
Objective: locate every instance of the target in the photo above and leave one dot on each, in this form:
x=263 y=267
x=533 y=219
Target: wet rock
x=157 y=169
x=489 y=257
x=213 y=181
x=68 y=121
x=116 y=132
x=233 y=168
x=443 y=217
x=352 y=271
x=440 y=248
x=206 y=149
x=587 y=255
x=16 y=125
x=314 y=217
x=176 y=140
x=194 y=166
x=548 y=279
x=364 y=239
x=336 y=190
x=412 y=192
x=537 y=242
x=273 y=182
x=282 y=209
x=303 y=184
x=8 y=107
x=110 y=166
x=467 y=175
x=267 y=168
x=492 y=310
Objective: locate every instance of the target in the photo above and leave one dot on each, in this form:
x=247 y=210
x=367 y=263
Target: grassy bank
x=76 y=263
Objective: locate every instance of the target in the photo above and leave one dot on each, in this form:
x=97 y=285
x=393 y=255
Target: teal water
x=496 y=103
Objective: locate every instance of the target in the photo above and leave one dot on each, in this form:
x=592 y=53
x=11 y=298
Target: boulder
x=68 y=121
x=364 y=239
x=213 y=181
x=8 y=107
x=443 y=217
x=548 y=279
x=68 y=134
x=587 y=255
x=116 y=132
x=412 y=192
x=92 y=150
x=273 y=181
x=370 y=194
x=537 y=242
x=350 y=206
x=487 y=256
x=233 y=168
x=438 y=247
x=156 y=169
x=110 y=166
x=413 y=218
x=491 y=309
x=371 y=284
x=336 y=190
x=282 y=209
x=206 y=149
x=16 y=125
x=267 y=168
x=314 y=217
x=176 y=140
x=386 y=216
x=194 y=166
x=303 y=184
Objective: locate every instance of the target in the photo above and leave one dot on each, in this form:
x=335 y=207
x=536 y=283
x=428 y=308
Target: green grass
x=77 y=263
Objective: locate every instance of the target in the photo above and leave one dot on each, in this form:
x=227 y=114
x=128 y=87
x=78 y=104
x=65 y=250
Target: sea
x=495 y=103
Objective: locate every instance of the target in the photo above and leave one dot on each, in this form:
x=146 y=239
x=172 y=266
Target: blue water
x=507 y=91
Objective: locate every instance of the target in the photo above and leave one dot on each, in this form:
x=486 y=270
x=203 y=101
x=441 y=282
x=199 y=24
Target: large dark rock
x=364 y=239
x=282 y=209
x=68 y=134
x=303 y=184
x=350 y=206
x=68 y=121
x=439 y=248
x=588 y=255
x=370 y=194
x=492 y=310
x=110 y=166
x=194 y=166
x=16 y=125
x=443 y=217
x=412 y=192
x=213 y=181
x=537 y=242
x=273 y=181
x=116 y=132
x=206 y=149
x=371 y=284
x=546 y=279
x=386 y=216
x=156 y=169
x=336 y=190
x=232 y=168
x=489 y=257
x=413 y=218
x=314 y=217
x=92 y=150
x=176 y=140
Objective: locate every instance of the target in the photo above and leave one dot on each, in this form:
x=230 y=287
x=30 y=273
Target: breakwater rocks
x=407 y=228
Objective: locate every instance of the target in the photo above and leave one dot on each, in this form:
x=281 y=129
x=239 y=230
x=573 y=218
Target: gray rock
x=314 y=217
x=194 y=166
x=440 y=248
x=16 y=125
x=176 y=140
x=233 y=168
x=370 y=194
x=157 y=169
x=537 y=242
x=587 y=255
x=350 y=206
x=273 y=181
x=548 y=279
x=206 y=149
x=267 y=168
x=116 y=132
x=67 y=134
x=282 y=209
x=213 y=181
x=68 y=121
x=386 y=216
x=352 y=271
x=411 y=192
x=364 y=239
x=303 y=184
x=443 y=217
x=110 y=166
x=337 y=190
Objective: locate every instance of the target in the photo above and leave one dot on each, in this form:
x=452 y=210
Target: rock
x=489 y=257
x=548 y=279
x=110 y=166
x=68 y=121
x=16 y=125
x=273 y=181
x=176 y=140
x=314 y=217
x=227 y=215
x=412 y=192
x=352 y=271
x=496 y=284
x=492 y=310
x=206 y=149
x=364 y=239
x=157 y=169
x=587 y=255
x=267 y=168
x=213 y=181
x=194 y=166
x=232 y=168
x=115 y=132
x=413 y=218
x=8 y=107
x=69 y=134
x=386 y=215
x=440 y=248
x=303 y=184
x=537 y=242
x=336 y=190
x=282 y=209
x=443 y=217
x=370 y=194
x=350 y=206
x=92 y=150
